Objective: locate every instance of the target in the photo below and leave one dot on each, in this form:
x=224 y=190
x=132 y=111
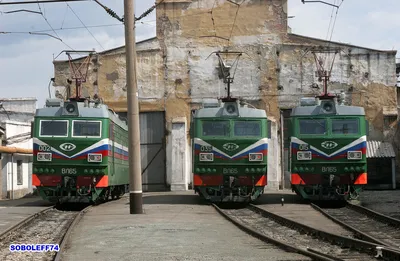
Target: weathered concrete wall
x=189 y=31
x=107 y=76
x=17 y=109
x=176 y=72
x=367 y=77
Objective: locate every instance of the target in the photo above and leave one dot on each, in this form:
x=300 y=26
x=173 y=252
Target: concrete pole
x=135 y=175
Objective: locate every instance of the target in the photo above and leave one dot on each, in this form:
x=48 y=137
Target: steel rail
x=315 y=255
x=24 y=222
x=67 y=234
x=359 y=234
x=76 y=220
x=375 y=215
x=360 y=245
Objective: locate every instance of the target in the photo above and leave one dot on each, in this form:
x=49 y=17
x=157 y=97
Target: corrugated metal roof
x=380 y=149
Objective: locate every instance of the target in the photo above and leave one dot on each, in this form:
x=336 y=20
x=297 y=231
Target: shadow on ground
x=276 y=198
x=270 y=198
x=174 y=199
x=25 y=202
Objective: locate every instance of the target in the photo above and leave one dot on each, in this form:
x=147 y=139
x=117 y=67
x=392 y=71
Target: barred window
x=19 y=172
x=345 y=126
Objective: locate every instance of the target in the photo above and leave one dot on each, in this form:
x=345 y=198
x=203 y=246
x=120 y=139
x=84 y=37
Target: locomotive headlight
x=206 y=156
x=95 y=157
x=354 y=155
x=44 y=156
x=304 y=155
x=255 y=156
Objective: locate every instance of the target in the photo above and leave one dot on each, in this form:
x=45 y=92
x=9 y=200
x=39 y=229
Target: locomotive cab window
x=215 y=128
x=53 y=128
x=312 y=127
x=345 y=126
x=247 y=128
x=90 y=129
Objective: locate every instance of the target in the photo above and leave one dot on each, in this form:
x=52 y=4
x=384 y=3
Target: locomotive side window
x=315 y=127
x=345 y=126
x=53 y=128
x=215 y=128
x=247 y=128
x=86 y=129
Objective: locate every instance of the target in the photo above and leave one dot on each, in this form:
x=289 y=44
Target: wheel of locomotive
x=119 y=193
x=107 y=195
x=113 y=194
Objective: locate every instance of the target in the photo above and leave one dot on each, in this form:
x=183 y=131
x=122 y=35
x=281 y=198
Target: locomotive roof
x=244 y=112
x=341 y=110
x=84 y=112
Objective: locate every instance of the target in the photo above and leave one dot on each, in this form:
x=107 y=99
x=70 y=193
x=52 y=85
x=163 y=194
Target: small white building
x=16 y=147
x=17 y=161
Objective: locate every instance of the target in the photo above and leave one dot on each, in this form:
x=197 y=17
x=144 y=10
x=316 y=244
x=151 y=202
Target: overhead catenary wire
x=65 y=16
x=330 y=22
x=53 y=28
x=334 y=21
x=234 y=20
x=113 y=14
x=70 y=28
x=85 y=26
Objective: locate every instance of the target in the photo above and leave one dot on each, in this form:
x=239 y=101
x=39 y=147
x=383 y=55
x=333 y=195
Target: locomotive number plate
x=303 y=147
x=230 y=170
x=68 y=171
x=206 y=148
x=329 y=169
x=44 y=148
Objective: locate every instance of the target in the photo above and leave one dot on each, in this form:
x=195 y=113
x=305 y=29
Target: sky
x=26 y=60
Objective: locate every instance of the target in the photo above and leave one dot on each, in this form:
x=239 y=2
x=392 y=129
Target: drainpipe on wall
x=12 y=175
x=282 y=152
x=1 y=177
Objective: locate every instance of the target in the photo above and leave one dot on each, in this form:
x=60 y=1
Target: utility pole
x=135 y=175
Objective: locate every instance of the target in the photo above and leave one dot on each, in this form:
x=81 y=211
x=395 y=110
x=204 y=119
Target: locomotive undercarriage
x=230 y=191
x=69 y=192
x=321 y=192
x=329 y=189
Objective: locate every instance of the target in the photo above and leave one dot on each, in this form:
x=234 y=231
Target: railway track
x=48 y=226
x=366 y=224
x=302 y=239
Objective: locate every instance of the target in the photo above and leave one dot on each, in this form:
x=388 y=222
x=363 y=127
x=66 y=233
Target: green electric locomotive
x=229 y=152
x=80 y=152
x=328 y=149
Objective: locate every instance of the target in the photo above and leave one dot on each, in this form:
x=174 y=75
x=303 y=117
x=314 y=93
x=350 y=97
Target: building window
x=19 y=172
x=389 y=121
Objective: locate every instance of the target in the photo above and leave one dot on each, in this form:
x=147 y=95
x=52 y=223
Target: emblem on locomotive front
x=329 y=145
x=67 y=146
x=230 y=146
